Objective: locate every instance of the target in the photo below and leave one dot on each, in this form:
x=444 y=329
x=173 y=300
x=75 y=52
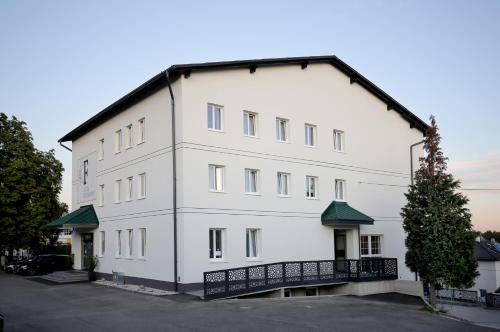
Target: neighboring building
x=488 y=258
x=276 y=160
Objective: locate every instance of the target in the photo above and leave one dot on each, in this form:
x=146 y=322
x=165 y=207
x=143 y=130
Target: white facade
x=320 y=106
x=489 y=276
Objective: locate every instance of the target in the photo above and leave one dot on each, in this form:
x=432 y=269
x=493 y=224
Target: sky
x=63 y=61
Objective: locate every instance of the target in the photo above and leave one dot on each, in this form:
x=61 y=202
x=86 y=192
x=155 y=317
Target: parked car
x=13 y=267
x=43 y=264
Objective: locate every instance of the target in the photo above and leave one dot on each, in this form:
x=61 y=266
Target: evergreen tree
x=440 y=240
x=30 y=182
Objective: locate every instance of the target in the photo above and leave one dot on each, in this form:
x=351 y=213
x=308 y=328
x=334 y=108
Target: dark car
x=13 y=267
x=43 y=264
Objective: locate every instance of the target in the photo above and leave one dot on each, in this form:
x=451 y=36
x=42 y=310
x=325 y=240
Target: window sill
x=129 y=258
x=128 y=200
x=252 y=194
x=141 y=259
x=251 y=136
x=118 y=202
x=340 y=200
x=117 y=152
x=216 y=191
x=217 y=261
x=142 y=142
x=285 y=142
x=337 y=151
x=254 y=259
x=284 y=196
x=100 y=205
x=311 y=146
x=141 y=198
x=101 y=159
x=216 y=130
x=118 y=257
x=312 y=198
x=100 y=256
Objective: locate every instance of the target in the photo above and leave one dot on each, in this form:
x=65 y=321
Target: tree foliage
x=488 y=235
x=30 y=183
x=440 y=239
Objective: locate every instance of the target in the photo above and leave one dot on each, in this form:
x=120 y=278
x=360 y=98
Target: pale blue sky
x=63 y=61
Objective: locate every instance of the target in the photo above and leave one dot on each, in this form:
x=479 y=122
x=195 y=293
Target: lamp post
x=411 y=176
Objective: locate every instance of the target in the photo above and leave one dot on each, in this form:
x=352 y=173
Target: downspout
x=174 y=180
x=64 y=146
x=411 y=176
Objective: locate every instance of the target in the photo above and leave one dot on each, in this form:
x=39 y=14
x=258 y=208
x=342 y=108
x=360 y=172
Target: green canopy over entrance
x=84 y=217
x=340 y=213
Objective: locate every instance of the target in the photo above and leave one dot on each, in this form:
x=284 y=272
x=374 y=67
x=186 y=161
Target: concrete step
x=63 y=277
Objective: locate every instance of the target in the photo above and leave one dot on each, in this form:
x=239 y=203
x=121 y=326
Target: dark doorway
x=340 y=245
x=87 y=249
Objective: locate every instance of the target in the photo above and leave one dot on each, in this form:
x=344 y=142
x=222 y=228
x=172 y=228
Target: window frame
x=141 y=186
x=100 y=195
x=337 y=132
x=128 y=136
x=118 y=253
x=141 y=137
x=256 y=247
x=279 y=181
x=212 y=174
x=314 y=135
x=369 y=238
x=130 y=189
x=343 y=184
x=246 y=124
x=118 y=191
x=130 y=243
x=100 y=149
x=142 y=243
x=286 y=130
x=102 y=243
x=315 y=178
x=257 y=181
x=212 y=234
x=221 y=120
x=118 y=141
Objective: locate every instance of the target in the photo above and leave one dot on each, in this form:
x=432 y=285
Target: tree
x=30 y=183
x=488 y=235
x=440 y=240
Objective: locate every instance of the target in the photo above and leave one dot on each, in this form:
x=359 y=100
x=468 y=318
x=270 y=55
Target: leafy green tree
x=30 y=183
x=488 y=235
x=440 y=240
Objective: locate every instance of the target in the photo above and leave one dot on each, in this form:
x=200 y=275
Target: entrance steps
x=66 y=277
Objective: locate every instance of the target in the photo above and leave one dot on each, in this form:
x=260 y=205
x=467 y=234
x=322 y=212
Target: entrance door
x=87 y=249
x=340 y=245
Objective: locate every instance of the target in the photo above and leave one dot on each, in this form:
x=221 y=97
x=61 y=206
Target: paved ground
x=479 y=315
x=32 y=306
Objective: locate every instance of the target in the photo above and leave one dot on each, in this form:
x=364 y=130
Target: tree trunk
x=432 y=294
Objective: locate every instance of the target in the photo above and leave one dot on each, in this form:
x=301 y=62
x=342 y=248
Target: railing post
x=226 y=279
x=358 y=268
x=379 y=262
x=301 y=271
x=348 y=268
x=318 y=272
x=247 y=277
x=204 y=284
x=283 y=269
x=265 y=275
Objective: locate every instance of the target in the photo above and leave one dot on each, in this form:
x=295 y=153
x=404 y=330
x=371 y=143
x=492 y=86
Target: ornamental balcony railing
x=260 y=278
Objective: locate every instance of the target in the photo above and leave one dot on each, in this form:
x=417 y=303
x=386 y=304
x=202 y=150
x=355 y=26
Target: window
x=340 y=190
x=311 y=187
x=130 y=242
x=251 y=180
x=370 y=245
x=128 y=136
x=118 y=191
x=216 y=249
x=130 y=188
x=214 y=114
x=283 y=184
x=216 y=177
x=101 y=149
x=118 y=243
x=142 y=131
x=338 y=140
x=102 y=247
x=100 y=196
x=250 y=124
x=310 y=135
x=142 y=242
x=66 y=231
x=281 y=130
x=142 y=186
x=118 y=141
x=253 y=236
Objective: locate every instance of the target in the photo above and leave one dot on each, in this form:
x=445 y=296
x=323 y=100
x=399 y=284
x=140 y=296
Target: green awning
x=340 y=213
x=84 y=217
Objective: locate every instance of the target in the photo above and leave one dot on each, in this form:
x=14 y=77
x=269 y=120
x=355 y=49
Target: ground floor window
x=216 y=244
x=130 y=242
x=142 y=242
x=102 y=247
x=252 y=242
x=118 y=243
x=370 y=245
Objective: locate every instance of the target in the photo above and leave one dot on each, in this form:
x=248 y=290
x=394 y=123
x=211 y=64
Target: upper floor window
x=281 y=130
x=250 y=123
x=101 y=149
x=252 y=242
x=141 y=136
x=118 y=191
x=310 y=135
x=216 y=245
x=340 y=190
x=142 y=186
x=118 y=141
x=251 y=181
x=338 y=140
x=311 y=187
x=283 y=184
x=100 y=195
x=130 y=187
x=214 y=117
x=216 y=177
x=370 y=245
x=128 y=136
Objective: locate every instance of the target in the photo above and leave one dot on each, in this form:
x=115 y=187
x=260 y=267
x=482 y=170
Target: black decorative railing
x=258 y=278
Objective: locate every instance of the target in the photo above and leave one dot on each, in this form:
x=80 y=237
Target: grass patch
x=432 y=310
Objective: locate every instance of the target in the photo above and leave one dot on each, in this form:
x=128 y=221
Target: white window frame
x=213 y=108
x=129 y=189
x=285 y=131
x=142 y=243
x=283 y=178
x=101 y=149
x=336 y=134
x=128 y=136
x=141 y=136
x=246 y=124
x=100 y=195
x=118 y=141
x=212 y=234
x=130 y=243
x=310 y=178
x=118 y=253
x=141 y=187
x=340 y=190
x=102 y=243
x=253 y=253
x=248 y=177
x=370 y=245
x=118 y=191
x=214 y=173
x=310 y=135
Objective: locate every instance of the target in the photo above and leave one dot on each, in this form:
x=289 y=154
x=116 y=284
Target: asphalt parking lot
x=32 y=306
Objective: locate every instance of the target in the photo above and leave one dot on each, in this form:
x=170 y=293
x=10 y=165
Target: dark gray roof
x=159 y=81
x=486 y=251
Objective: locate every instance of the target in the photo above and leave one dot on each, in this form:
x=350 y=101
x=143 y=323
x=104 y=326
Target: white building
x=488 y=260
x=262 y=148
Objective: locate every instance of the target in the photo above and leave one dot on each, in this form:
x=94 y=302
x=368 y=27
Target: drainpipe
x=64 y=146
x=411 y=176
x=174 y=180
